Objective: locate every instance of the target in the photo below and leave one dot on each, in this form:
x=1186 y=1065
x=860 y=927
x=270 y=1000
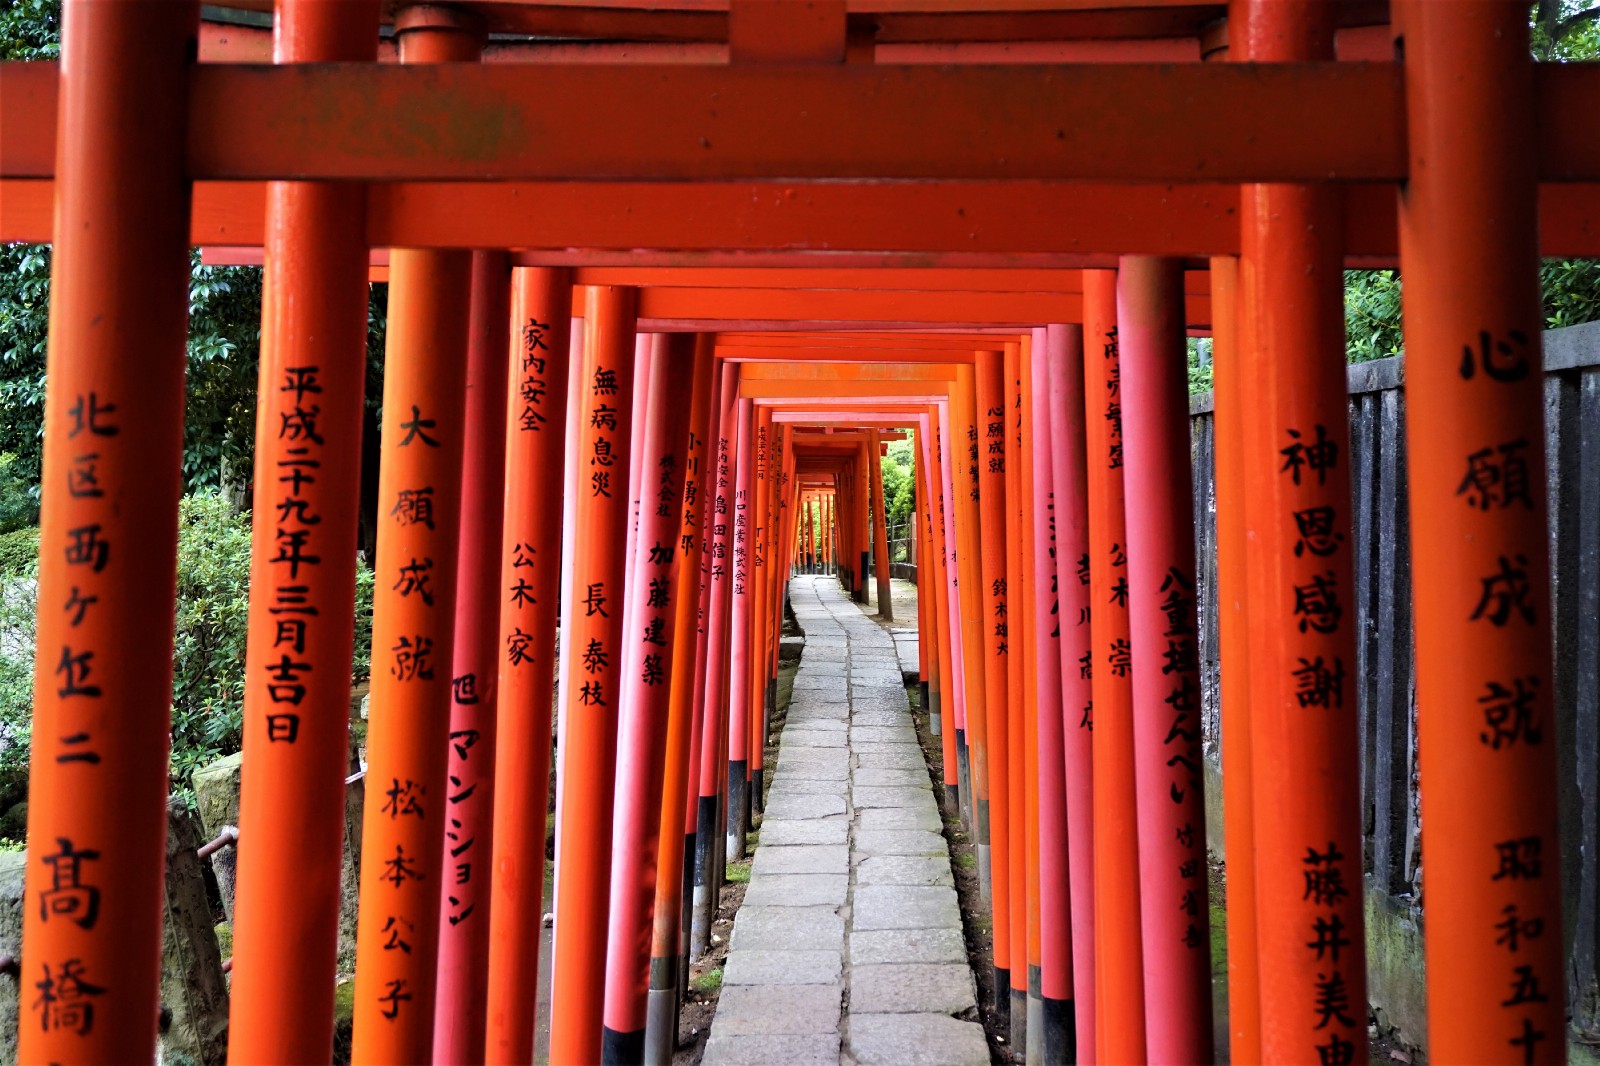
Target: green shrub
x=18 y=597
x=19 y=552
x=208 y=650
x=208 y=666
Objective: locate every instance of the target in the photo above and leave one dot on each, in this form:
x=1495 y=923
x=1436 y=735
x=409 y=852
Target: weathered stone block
x=875 y=947
x=782 y=967
x=916 y=1040
x=801 y=859
x=785 y=832
x=905 y=870
x=752 y=1010
x=816 y=928
x=907 y=988
x=905 y=907
x=797 y=890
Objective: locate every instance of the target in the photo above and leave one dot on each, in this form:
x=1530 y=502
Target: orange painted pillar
x=1017 y=689
x=675 y=855
x=714 y=692
x=932 y=572
x=1161 y=608
x=113 y=443
x=991 y=391
x=1066 y=798
x=1119 y=951
x=1475 y=439
x=880 y=525
x=920 y=532
x=647 y=663
x=594 y=688
x=1231 y=415
x=460 y=1002
x=529 y=599
x=763 y=592
x=974 y=608
x=867 y=467
x=1045 y=772
x=739 y=648
x=1307 y=840
x=314 y=306
x=950 y=696
x=413 y=638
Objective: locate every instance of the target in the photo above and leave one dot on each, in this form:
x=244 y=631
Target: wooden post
x=880 y=525
x=1119 y=969
x=460 y=1003
x=594 y=688
x=424 y=393
x=1230 y=336
x=991 y=407
x=314 y=322
x=1069 y=1003
x=974 y=608
x=1161 y=609
x=529 y=600
x=714 y=692
x=113 y=446
x=1476 y=457
x=647 y=665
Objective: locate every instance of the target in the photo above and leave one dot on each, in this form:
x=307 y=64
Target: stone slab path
x=848 y=947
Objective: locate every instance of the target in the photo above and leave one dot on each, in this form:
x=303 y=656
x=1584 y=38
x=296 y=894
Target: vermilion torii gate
x=671 y=270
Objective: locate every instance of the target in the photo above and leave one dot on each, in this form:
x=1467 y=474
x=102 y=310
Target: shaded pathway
x=848 y=947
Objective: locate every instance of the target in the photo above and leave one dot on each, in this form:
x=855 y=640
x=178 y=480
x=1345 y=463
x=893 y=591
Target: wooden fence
x=1387 y=686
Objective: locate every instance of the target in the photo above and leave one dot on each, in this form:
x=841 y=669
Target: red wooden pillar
x=716 y=687
x=974 y=608
x=527 y=594
x=739 y=658
x=1475 y=440
x=647 y=664
x=314 y=311
x=762 y=551
x=880 y=525
x=1050 y=990
x=1119 y=952
x=1307 y=840
x=991 y=408
x=113 y=442
x=1161 y=609
x=1068 y=887
x=460 y=1003
x=1017 y=596
x=1230 y=340
x=594 y=687
x=675 y=854
x=413 y=620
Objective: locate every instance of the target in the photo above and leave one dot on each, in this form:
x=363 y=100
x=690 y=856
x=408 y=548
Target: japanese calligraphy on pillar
x=1113 y=400
x=1314 y=486
x=1508 y=717
x=718 y=553
x=1180 y=666
x=66 y=990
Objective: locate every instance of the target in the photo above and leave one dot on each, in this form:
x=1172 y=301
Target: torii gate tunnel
x=664 y=275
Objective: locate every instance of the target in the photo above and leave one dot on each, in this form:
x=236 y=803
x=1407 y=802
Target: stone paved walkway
x=848 y=947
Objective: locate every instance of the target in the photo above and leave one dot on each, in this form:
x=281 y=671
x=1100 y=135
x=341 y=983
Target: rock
x=216 y=793
x=13 y=868
x=193 y=987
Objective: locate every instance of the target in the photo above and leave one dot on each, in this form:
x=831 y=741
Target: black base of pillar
x=1019 y=1020
x=1002 y=996
x=690 y=843
x=738 y=808
x=757 y=803
x=925 y=701
x=621 y=1049
x=1060 y=1031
